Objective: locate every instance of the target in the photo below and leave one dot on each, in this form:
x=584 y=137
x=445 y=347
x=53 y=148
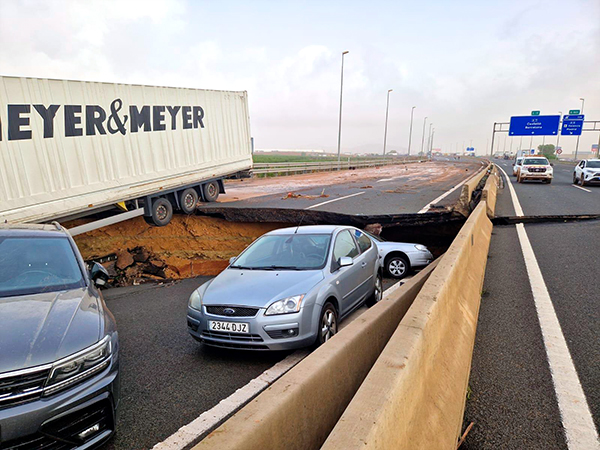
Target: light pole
x=577 y=145
x=387 y=107
x=429 y=136
x=410 y=132
x=423 y=137
x=431 y=147
x=340 y=125
x=558 y=134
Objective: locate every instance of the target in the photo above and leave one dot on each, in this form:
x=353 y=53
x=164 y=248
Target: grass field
x=290 y=158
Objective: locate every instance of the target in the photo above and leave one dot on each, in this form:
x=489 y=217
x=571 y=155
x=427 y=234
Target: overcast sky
x=464 y=64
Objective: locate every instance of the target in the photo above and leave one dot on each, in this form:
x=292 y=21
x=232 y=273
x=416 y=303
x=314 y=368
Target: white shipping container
x=72 y=146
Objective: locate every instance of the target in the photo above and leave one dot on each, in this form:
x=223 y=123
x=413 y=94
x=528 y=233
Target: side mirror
x=345 y=261
x=99 y=274
x=232 y=260
x=552 y=164
x=513 y=164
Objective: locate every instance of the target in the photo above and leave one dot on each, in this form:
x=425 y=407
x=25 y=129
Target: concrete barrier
x=490 y=192
x=301 y=408
x=466 y=193
x=414 y=396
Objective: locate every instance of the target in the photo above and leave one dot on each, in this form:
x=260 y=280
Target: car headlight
x=196 y=300
x=421 y=248
x=285 y=305
x=79 y=366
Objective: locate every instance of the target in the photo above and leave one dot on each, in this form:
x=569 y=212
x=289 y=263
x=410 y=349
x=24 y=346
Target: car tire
x=211 y=191
x=188 y=200
x=397 y=266
x=328 y=324
x=549 y=181
x=574 y=178
x=582 y=181
x=377 y=294
x=162 y=212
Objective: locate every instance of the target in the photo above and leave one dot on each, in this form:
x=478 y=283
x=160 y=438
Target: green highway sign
x=535 y=113
x=574 y=111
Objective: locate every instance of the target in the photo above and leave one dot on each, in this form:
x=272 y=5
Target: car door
x=367 y=261
x=347 y=280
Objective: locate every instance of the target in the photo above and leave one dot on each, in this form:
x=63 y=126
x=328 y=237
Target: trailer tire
x=188 y=200
x=211 y=191
x=162 y=212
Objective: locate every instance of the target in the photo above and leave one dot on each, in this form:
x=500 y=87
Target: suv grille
x=537 y=169
x=63 y=433
x=22 y=386
x=238 y=311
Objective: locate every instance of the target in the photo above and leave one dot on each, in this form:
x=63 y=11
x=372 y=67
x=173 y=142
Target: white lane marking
x=582 y=188
x=576 y=417
x=208 y=420
x=388 y=179
x=445 y=194
x=335 y=200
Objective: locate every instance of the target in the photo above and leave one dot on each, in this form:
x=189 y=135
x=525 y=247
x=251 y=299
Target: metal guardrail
x=288 y=168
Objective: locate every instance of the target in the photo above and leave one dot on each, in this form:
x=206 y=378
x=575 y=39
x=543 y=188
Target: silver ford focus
x=288 y=289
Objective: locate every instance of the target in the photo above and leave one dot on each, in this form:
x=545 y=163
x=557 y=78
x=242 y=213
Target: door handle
x=364 y=264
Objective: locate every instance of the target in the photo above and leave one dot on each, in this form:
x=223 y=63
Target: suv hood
x=258 y=288
x=42 y=328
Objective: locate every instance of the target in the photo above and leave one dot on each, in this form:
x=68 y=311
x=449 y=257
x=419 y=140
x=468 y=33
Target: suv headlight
x=285 y=305
x=79 y=366
x=421 y=248
x=196 y=300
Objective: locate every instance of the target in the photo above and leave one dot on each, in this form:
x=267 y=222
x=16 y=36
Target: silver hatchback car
x=287 y=290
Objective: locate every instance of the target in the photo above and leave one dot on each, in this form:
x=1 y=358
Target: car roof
x=592 y=159
x=32 y=230
x=308 y=229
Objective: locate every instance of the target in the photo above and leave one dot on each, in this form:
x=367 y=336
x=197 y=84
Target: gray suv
x=289 y=289
x=59 y=365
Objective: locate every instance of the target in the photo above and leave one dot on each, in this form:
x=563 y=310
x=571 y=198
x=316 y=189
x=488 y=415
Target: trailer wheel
x=188 y=200
x=162 y=212
x=211 y=191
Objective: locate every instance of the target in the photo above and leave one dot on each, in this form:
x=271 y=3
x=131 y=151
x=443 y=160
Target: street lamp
x=410 y=132
x=577 y=145
x=387 y=108
x=340 y=124
x=558 y=134
x=423 y=136
x=431 y=147
x=429 y=136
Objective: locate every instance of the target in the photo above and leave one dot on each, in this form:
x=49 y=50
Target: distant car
x=535 y=168
x=289 y=289
x=587 y=172
x=517 y=166
x=59 y=365
x=399 y=258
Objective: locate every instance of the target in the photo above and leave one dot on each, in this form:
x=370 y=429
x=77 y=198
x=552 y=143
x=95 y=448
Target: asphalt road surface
x=167 y=378
x=514 y=402
x=400 y=189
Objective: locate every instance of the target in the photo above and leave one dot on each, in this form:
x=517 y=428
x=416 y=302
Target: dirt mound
x=134 y=251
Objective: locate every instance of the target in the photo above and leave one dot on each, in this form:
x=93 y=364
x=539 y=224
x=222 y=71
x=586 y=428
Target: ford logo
x=229 y=311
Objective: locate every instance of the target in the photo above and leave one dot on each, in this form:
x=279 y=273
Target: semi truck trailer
x=70 y=149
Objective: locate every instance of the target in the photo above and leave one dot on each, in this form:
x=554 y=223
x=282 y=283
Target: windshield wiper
x=244 y=267
x=280 y=268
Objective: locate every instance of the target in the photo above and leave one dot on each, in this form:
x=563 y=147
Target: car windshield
x=34 y=265
x=593 y=165
x=535 y=162
x=285 y=252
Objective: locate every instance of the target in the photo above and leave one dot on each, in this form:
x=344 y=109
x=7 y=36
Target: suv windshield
x=285 y=252
x=593 y=165
x=535 y=162
x=34 y=265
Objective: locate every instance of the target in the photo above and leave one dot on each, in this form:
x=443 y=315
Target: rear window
x=35 y=265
